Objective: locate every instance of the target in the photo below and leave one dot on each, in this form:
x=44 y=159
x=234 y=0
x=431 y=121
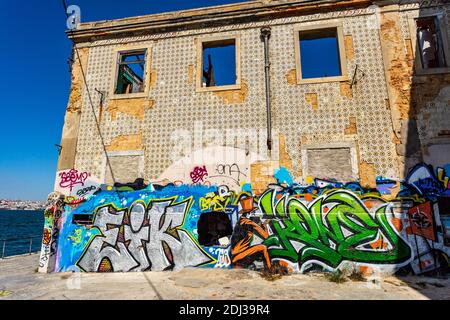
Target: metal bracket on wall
x=59 y=148
x=354 y=78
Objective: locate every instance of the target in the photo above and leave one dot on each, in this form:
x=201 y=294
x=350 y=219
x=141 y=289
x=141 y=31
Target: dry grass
x=356 y=276
x=336 y=276
x=276 y=272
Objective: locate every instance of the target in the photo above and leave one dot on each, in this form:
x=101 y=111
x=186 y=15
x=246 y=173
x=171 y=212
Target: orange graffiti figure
x=242 y=251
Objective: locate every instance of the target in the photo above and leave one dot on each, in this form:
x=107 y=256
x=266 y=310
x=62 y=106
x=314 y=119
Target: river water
x=20 y=225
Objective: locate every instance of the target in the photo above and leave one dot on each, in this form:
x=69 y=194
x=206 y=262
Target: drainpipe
x=265 y=35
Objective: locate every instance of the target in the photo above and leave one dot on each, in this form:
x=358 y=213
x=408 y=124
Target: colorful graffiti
x=71 y=178
x=326 y=224
x=198 y=174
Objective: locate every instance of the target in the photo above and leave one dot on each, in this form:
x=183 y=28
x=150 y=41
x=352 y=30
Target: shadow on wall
x=417 y=54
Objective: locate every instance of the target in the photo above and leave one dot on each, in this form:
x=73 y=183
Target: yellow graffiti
x=443 y=178
x=77 y=237
x=216 y=202
x=5 y=293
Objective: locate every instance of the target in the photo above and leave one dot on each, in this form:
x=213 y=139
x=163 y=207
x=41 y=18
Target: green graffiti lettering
x=334 y=228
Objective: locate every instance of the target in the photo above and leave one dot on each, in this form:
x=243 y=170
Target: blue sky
x=320 y=57
x=35 y=83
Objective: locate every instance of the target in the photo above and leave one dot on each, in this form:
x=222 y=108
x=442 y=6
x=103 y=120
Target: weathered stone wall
x=73 y=113
x=418 y=103
x=370 y=115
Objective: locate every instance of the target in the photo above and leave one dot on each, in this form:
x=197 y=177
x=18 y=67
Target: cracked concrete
x=19 y=280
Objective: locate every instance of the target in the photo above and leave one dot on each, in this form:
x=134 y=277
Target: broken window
x=131 y=72
x=214 y=229
x=319 y=53
x=83 y=219
x=219 y=63
x=431 y=46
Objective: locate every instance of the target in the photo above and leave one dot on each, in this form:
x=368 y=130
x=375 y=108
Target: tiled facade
x=173 y=103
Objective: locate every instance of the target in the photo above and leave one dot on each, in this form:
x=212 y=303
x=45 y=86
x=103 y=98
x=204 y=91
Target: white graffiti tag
x=142 y=238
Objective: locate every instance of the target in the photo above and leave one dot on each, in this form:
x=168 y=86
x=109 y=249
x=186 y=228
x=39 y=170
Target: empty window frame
x=130 y=74
x=430 y=43
x=320 y=54
x=218 y=63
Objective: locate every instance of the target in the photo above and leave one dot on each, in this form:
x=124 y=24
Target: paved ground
x=19 y=280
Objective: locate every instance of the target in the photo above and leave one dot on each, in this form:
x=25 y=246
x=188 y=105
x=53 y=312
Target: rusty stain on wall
x=351 y=128
x=311 y=99
x=126 y=143
x=349 y=52
x=345 y=89
x=285 y=159
x=233 y=96
x=153 y=78
x=76 y=89
x=191 y=74
x=291 y=77
x=367 y=175
x=69 y=138
x=261 y=174
x=133 y=107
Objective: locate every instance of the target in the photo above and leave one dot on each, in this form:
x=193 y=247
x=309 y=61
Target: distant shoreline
x=15 y=209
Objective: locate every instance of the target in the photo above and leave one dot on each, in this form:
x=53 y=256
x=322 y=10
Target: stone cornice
x=207 y=17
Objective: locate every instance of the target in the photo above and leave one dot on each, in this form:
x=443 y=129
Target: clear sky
x=35 y=83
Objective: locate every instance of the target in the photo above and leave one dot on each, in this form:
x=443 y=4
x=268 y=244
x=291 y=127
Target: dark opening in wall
x=319 y=53
x=430 y=43
x=131 y=71
x=219 y=63
x=83 y=219
x=213 y=226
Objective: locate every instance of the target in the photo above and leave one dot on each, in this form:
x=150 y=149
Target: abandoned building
x=232 y=108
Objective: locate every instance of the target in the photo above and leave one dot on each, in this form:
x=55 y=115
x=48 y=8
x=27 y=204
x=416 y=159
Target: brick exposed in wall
x=191 y=74
x=72 y=118
x=285 y=159
x=311 y=99
x=233 y=96
x=345 y=89
x=351 y=129
x=76 y=90
x=261 y=173
x=133 y=107
x=349 y=52
x=399 y=71
x=291 y=77
x=126 y=143
x=153 y=78
x=367 y=175
x=410 y=94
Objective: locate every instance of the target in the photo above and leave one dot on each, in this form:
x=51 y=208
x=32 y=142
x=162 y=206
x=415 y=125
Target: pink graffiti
x=71 y=178
x=198 y=174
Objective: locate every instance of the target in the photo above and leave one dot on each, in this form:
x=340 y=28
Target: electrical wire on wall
x=77 y=56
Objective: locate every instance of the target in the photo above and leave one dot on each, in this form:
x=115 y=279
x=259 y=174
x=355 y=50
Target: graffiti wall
x=323 y=225
x=216 y=165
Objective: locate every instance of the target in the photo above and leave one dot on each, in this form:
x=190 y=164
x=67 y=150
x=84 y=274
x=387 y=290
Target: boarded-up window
x=126 y=169
x=333 y=163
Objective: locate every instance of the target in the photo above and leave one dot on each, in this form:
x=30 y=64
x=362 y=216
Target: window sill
x=129 y=96
x=219 y=88
x=323 y=80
